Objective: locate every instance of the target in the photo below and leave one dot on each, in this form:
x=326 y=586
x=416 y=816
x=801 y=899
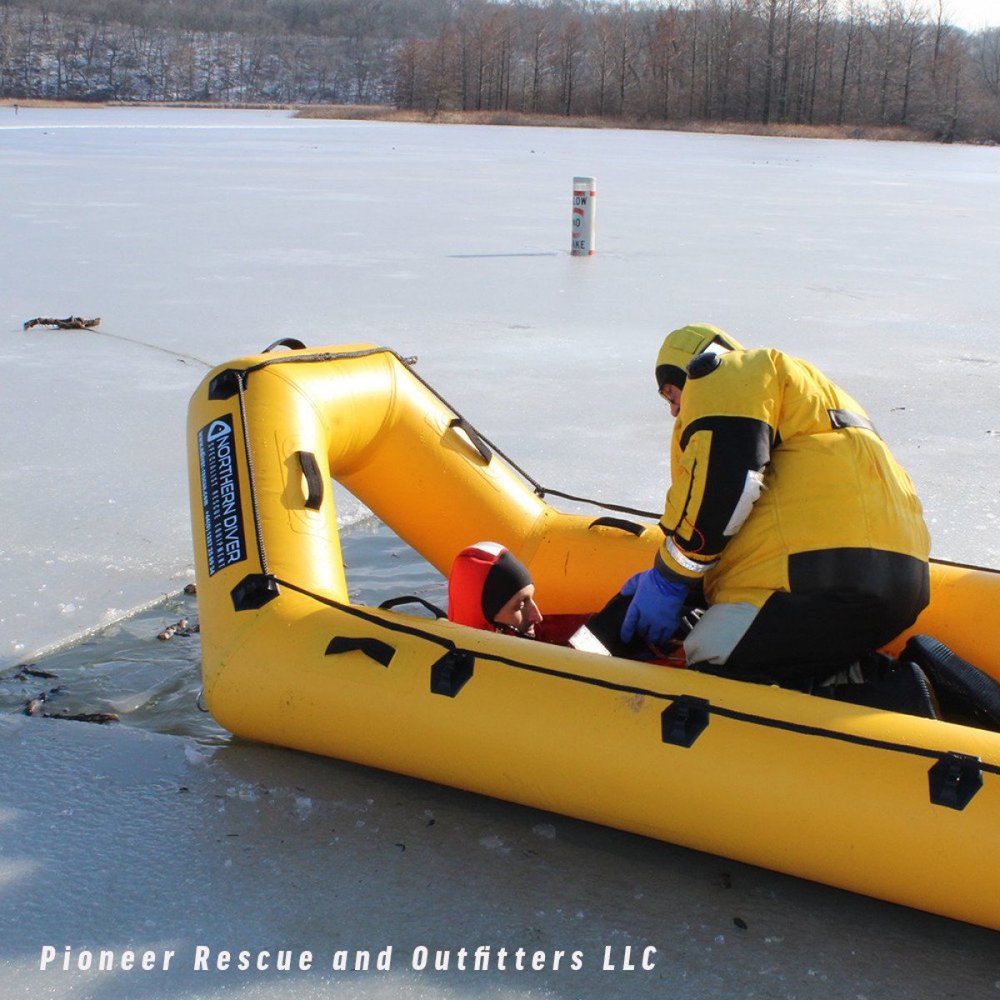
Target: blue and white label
x=225 y=539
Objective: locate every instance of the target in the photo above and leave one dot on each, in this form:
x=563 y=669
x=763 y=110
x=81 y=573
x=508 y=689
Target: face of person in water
x=520 y=613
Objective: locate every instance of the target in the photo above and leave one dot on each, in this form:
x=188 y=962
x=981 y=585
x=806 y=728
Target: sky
x=971 y=14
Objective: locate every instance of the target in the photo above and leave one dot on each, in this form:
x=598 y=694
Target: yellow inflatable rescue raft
x=897 y=807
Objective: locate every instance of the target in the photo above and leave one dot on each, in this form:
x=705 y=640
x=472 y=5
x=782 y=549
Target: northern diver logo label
x=217 y=429
x=225 y=538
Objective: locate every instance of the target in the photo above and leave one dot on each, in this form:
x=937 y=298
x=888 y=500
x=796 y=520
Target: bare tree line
x=254 y=51
x=816 y=62
x=812 y=62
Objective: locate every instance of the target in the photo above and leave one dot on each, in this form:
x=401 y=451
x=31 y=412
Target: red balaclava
x=483 y=578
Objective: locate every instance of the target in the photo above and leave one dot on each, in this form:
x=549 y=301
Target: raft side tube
x=823 y=790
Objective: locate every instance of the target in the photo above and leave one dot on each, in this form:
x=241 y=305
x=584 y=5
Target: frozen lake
x=198 y=236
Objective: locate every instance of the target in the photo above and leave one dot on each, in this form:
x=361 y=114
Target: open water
x=128 y=672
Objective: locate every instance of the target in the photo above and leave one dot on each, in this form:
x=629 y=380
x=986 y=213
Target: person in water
x=788 y=509
x=489 y=588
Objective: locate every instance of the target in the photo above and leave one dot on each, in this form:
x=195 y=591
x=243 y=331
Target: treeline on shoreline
x=760 y=64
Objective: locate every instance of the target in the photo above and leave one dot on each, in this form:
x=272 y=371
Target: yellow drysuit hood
x=684 y=344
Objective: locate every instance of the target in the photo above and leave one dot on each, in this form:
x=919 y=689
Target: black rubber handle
x=380 y=652
x=289 y=342
x=394 y=602
x=473 y=435
x=617 y=522
x=314 y=479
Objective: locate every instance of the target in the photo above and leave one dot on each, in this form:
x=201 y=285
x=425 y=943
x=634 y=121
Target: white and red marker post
x=584 y=212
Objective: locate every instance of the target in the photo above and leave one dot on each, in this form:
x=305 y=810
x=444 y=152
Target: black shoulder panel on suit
x=704 y=364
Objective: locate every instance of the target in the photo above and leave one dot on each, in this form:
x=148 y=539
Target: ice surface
x=198 y=236
x=117 y=839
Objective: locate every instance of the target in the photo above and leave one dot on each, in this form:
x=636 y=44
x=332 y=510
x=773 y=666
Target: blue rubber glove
x=655 y=609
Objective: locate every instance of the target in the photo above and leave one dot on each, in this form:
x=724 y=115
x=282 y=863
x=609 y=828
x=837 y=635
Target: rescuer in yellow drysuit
x=789 y=510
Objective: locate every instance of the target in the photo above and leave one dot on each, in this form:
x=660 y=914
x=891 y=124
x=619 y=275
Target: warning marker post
x=584 y=212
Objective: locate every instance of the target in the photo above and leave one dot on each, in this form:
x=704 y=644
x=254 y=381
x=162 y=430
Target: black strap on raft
x=314 y=479
x=254 y=591
x=226 y=384
x=684 y=721
x=955 y=779
x=375 y=649
x=290 y=342
x=450 y=674
x=395 y=602
x=474 y=436
x=616 y=522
